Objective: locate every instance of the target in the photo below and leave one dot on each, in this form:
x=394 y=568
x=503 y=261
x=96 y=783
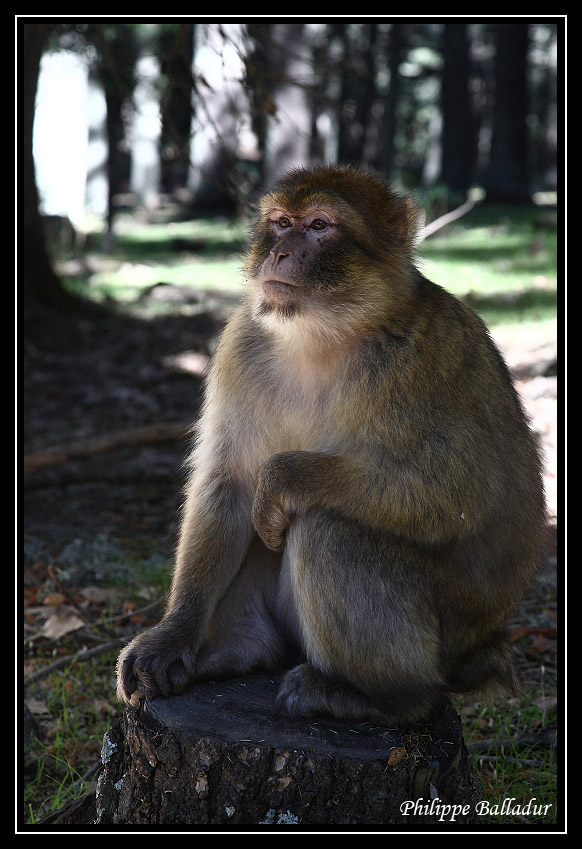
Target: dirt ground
x=123 y=374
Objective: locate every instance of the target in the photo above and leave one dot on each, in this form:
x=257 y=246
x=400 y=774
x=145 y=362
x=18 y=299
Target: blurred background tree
x=206 y=115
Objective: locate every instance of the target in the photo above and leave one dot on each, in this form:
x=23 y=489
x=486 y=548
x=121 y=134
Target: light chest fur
x=296 y=401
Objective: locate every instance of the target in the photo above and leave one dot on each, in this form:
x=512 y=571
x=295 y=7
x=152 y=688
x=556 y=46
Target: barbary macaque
x=365 y=504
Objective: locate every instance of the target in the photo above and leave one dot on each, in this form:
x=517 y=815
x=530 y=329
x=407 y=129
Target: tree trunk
x=47 y=310
x=387 y=147
x=222 y=754
x=220 y=102
x=259 y=82
x=39 y=288
x=458 y=142
x=357 y=94
x=550 y=150
x=288 y=126
x=176 y=54
x=118 y=52
x=506 y=180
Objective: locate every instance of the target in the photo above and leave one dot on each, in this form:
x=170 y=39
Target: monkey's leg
x=366 y=619
x=243 y=633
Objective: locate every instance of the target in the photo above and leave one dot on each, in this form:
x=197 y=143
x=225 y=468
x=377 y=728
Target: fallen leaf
x=540 y=644
x=98 y=595
x=54 y=599
x=37 y=707
x=30 y=596
x=57 y=625
x=517 y=633
x=396 y=755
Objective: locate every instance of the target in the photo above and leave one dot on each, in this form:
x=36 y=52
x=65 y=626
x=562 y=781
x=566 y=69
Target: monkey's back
x=473 y=407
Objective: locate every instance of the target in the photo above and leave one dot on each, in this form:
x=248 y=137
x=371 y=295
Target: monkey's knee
x=487 y=670
x=364 y=617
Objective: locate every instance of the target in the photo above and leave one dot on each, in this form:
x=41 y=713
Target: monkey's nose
x=277 y=256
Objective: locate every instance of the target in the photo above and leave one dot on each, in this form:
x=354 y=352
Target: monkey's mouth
x=280 y=292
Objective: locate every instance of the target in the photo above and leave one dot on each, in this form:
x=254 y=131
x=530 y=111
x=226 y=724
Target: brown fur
x=365 y=493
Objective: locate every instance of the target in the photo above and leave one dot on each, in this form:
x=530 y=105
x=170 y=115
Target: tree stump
x=223 y=754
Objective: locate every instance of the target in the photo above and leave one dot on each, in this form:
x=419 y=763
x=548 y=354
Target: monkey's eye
x=284 y=222
x=318 y=224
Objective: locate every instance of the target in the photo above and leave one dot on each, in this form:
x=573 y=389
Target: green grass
x=510 y=770
x=501 y=261
x=204 y=255
x=58 y=768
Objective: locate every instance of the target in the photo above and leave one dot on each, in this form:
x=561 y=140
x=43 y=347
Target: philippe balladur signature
x=449 y=813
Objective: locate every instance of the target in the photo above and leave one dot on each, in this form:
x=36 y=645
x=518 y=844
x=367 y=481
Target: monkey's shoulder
x=434 y=324
x=442 y=310
x=440 y=350
x=451 y=330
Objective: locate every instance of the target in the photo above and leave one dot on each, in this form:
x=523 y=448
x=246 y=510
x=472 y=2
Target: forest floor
x=98 y=529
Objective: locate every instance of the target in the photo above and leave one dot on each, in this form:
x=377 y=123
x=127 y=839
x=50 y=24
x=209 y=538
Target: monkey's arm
x=405 y=498
x=215 y=535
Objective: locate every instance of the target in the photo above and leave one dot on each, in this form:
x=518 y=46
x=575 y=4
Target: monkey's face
x=295 y=260
x=327 y=256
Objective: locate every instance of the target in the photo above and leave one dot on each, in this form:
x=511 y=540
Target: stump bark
x=222 y=754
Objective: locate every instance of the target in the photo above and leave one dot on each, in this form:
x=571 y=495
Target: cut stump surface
x=222 y=754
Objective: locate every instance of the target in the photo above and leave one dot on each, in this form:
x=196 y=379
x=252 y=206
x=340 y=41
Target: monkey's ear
x=404 y=227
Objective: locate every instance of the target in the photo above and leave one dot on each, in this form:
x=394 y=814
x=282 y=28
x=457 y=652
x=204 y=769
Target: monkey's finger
x=160 y=676
x=128 y=683
x=149 y=678
x=178 y=677
x=271 y=528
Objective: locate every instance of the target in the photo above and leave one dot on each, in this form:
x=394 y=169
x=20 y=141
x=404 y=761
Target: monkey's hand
x=161 y=661
x=272 y=506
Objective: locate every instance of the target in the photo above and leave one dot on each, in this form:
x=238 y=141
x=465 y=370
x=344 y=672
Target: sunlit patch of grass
x=203 y=255
x=501 y=262
x=208 y=235
x=127 y=283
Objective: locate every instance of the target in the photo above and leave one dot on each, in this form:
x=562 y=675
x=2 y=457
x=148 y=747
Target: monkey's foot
x=305 y=691
x=154 y=663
